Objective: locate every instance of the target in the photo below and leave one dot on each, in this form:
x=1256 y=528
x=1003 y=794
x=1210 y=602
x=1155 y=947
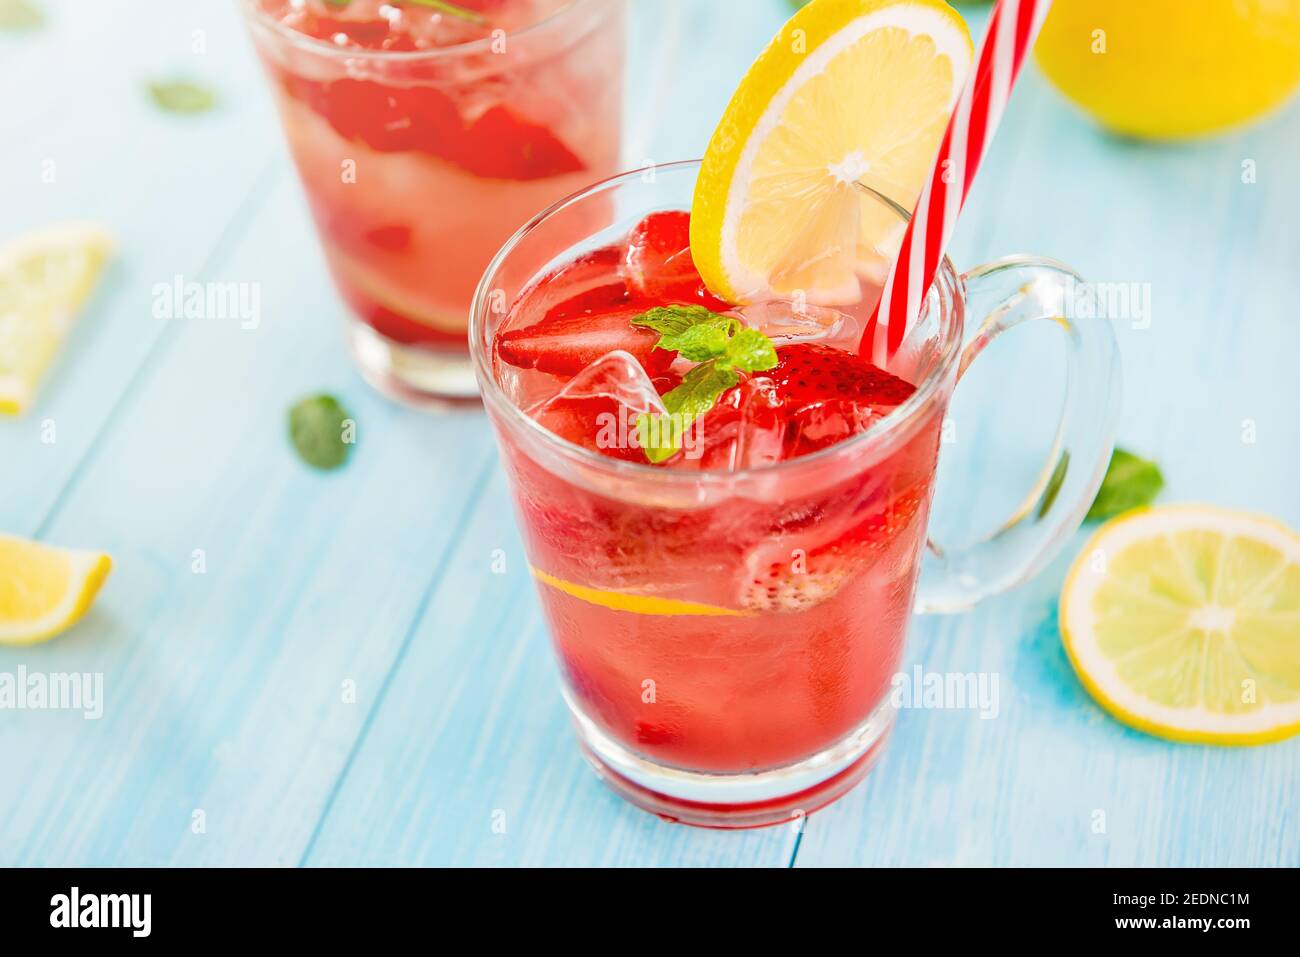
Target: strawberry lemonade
x=714 y=622
x=425 y=134
x=724 y=504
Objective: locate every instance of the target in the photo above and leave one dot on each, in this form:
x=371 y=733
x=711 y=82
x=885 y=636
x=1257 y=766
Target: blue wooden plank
x=228 y=687
x=94 y=147
x=470 y=758
x=226 y=691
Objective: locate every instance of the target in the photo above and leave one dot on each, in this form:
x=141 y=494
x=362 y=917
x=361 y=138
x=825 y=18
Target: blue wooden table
x=333 y=669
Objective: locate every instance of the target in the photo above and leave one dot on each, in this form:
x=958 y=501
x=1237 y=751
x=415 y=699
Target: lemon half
x=45 y=590
x=1184 y=622
x=849 y=92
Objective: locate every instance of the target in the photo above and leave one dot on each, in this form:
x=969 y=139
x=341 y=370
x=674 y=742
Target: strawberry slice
x=580 y=287
x=501 y=145
x=583 y=420
x=659 y=264
x=565 y=345
x=393 y=119
x=375 y=34
x=599 y=299
x=390 y=119
x=808 y=372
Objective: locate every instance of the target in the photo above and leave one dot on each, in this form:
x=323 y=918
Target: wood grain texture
x=355 y=677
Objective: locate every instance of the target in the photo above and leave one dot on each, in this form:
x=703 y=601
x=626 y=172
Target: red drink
x=424 y=139
x=725 y=509
x=727 y=621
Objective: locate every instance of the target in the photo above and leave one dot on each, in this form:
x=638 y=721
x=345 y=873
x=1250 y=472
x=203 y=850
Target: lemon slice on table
x=45 y=277
x=850 y=91
x=1184 y=622
x=45 y=590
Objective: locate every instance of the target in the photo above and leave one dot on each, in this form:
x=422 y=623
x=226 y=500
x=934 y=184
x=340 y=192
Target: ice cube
x=744 y=430
x=785 y=322
x=598 y=408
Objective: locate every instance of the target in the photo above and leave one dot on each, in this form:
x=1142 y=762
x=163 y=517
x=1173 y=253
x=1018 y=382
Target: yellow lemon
x=625 y=601
x=1184 y=621
x=849 y=92
x=45 y=590
x=45 y=278
x=1170 y=69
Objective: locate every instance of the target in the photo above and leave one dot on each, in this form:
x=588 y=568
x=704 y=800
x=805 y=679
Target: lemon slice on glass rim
x=1184 y=622
x=849 y=92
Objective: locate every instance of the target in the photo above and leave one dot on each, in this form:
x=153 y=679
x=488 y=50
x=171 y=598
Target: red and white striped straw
x=1011 y=31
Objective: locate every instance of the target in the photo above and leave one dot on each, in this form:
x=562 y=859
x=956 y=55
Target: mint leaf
x=182 y=96
x=674 y=320
x=698 y=343
x=322 y=432
x=700 y=388
x=722 y=345
x=1130 y=483
x=750 y=351
x=660 y=435
x=19 y=15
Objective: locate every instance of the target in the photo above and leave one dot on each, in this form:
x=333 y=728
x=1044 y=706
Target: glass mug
x=418 y=164
x=751 y=714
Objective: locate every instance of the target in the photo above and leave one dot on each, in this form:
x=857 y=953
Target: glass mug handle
x=1008 y=293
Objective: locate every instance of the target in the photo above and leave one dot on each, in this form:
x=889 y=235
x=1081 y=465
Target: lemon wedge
x=1184 y=622
x=45 y=590
x=849 y=92
x=636 y=604
x=45 y=278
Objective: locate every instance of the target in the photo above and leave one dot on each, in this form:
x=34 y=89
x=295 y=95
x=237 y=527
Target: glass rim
x=947 y=284
x=255 y=14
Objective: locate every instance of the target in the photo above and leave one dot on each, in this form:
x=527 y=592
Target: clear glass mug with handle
x=419 y=162
x=727 y=640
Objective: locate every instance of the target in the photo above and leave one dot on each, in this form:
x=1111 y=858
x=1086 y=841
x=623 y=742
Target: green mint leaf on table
x=722 y=345
x=182 y=96
x=450 y=9
x=1130 y=482
x=322 y=432
x=19 y=15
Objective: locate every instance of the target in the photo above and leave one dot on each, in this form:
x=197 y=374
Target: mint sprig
x=722 y=345
x=1130 y=482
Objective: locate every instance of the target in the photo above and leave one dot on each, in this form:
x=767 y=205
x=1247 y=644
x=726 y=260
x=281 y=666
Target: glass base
x=741 y=800
x=412 y=376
